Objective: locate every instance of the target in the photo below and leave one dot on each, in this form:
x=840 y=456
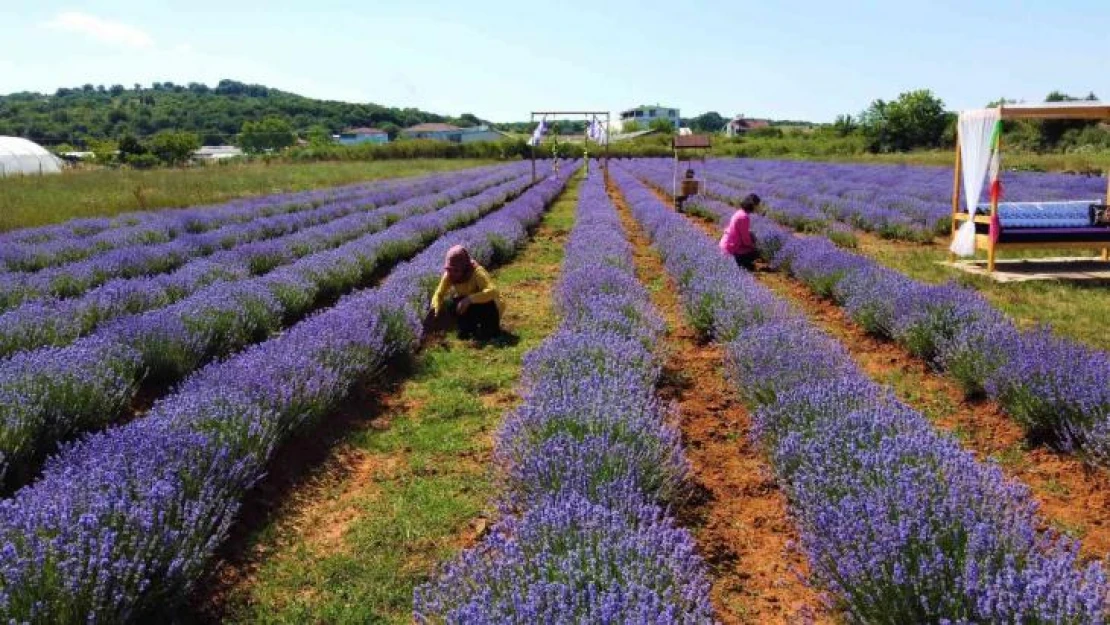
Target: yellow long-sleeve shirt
x=478 y=287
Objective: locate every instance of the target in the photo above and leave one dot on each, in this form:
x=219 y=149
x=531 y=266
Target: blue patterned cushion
x=1070 y=214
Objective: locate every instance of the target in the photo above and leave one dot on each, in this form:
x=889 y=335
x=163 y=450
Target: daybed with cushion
x=1078 y=224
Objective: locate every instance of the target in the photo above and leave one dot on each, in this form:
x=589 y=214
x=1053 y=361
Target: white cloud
x=102 y=30
x=183 y=48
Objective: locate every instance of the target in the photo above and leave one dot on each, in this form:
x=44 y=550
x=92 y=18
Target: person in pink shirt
x=738 y=239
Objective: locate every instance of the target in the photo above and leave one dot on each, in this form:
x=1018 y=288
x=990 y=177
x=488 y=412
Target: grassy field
x=36 y=201
x=421 y=488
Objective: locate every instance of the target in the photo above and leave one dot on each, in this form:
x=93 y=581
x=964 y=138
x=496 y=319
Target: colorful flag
x=995 y=164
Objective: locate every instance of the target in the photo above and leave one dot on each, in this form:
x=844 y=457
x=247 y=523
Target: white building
x=644 y=115
x=217 y=153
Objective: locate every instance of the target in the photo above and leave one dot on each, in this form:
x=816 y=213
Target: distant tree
x=662 y=125
x=272 y=133
x=917 y=119
x=468 y=120
x=393 y=130
x=318 y=135
x=174 y=147
x=845 y=125
x=631 y=126
x=103 y=151
x=1052 y=131
x=130 y=146
x=116 y=90
x=708 y=122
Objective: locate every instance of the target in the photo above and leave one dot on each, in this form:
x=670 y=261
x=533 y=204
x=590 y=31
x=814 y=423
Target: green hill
x=216 y=114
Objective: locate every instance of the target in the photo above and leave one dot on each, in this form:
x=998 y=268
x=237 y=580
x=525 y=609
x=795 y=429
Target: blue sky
x=808 y=59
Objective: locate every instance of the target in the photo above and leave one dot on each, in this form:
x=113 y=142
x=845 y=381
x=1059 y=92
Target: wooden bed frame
x=1048 y=110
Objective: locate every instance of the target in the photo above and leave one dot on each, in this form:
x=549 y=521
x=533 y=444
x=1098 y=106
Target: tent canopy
x=19 y=156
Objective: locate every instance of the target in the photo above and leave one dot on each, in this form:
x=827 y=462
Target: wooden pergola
x=1089 y=111
x=590 y=117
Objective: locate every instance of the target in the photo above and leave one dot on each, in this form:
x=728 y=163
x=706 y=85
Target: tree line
x=166 y=122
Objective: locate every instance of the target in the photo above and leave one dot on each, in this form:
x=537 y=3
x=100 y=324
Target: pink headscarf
x=458 y=258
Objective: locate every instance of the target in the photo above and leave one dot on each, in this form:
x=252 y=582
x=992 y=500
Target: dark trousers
x=482 y=321
x=746 y=261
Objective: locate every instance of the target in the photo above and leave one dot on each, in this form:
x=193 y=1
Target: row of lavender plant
x=586 y=460
x=60 y=321
x=32 y=249
x=1053 y=387
x=51 y=393
x=900 y=202
x=123 y=522
x=898 y=522
x=143 y=259
x=796 y=214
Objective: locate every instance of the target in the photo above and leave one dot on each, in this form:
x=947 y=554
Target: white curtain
x=976 y=129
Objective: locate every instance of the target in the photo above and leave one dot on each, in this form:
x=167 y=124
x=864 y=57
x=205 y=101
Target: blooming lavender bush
x=568 y=560
x=34 y=249
x=1053 y=387
x=122 y=523
x=235 y=255
x=216 y=321
x=582 y=459
x=898 y=522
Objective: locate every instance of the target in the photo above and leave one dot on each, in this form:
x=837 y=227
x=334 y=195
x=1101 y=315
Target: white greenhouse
x=22 y=157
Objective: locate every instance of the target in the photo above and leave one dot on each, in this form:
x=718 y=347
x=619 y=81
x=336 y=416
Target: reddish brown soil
x=1074 y=497
x=737 y=512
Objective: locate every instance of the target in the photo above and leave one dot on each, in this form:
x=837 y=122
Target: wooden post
x=674 y=180
x=956 y=180
x=994 y=209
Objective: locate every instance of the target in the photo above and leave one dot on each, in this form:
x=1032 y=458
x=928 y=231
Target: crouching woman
x=466 y=292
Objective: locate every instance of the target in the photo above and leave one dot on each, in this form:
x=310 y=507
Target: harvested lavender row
x=123 y=522
x=142 y=259
x=898 y=522
x=1053 y=387
x=60 y=321
x=587 y=459
x=57 y=392
x=36 y=248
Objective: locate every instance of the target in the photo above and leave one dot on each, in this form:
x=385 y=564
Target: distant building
x=355 y=136
x=454 y=134
x=740 y=125
x=644 y=115
x=437 y=131
x=481 y=133
x=217 y=153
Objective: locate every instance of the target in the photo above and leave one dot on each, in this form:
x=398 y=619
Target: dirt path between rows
x=737 y=512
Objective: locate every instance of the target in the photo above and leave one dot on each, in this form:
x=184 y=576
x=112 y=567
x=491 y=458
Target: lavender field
x=240 y=413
